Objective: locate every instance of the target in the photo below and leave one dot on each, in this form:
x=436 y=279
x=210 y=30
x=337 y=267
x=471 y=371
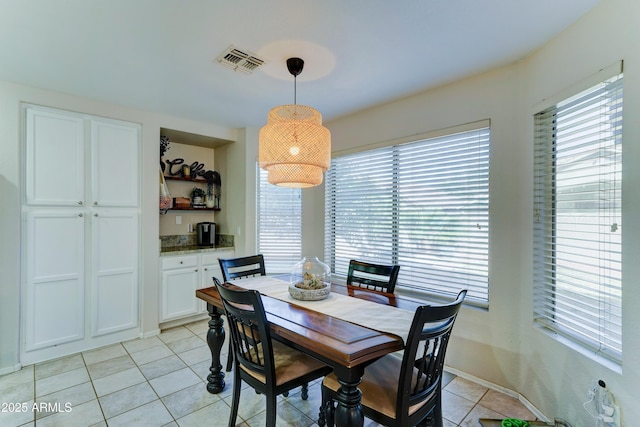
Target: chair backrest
x=423 y=361
x=249 y=330
x=235 y=268
x=375 y=277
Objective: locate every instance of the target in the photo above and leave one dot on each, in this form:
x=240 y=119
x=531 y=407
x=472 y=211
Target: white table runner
x=376 y=316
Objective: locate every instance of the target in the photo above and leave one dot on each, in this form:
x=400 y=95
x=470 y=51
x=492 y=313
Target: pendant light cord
x=295 y=65
x=295 y=80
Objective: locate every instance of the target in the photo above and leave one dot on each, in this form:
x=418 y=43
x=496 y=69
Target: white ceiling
x=159 y=55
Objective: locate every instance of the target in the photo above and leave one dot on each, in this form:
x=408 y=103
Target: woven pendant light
x=294 y=147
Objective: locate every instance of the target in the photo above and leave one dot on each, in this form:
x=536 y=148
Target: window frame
x=552 y=279
x=398 y=220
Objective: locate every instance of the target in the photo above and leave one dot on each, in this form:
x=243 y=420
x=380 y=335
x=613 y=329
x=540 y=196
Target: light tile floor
x=160 y=381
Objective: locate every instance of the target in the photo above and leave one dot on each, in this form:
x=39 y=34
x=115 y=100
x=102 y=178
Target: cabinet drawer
x=212 y=257
x=179 y=262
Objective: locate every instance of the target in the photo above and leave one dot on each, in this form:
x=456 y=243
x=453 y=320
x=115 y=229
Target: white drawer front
x=171 y=262
x=212 y=257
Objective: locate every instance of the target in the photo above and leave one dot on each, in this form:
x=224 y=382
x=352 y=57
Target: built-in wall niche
x=197 y=152
x=187 y=143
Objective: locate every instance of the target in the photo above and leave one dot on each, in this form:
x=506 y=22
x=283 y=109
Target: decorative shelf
x=180 y=178
x=195 y=209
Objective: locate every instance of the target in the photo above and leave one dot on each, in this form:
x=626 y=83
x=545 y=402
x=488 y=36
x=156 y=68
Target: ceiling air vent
x=240 y=60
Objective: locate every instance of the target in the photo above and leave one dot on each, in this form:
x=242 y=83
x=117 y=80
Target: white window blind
x=577 y=218
x=422 y=205
x=279 y=224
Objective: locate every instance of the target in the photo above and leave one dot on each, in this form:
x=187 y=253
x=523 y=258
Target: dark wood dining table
x=345 y=346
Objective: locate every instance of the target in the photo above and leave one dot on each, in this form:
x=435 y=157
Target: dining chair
x=375 y=277
x=270 y=367
x=405 y=392
x=237 y=268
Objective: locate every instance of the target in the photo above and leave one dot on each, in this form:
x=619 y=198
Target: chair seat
x=379 y=386
x=289 y=364
x=399 y=392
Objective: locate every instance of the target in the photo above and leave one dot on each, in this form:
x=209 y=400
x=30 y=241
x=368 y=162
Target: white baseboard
x=535 y=411
x=10 y=369
x=150 y=333
x=183 y=321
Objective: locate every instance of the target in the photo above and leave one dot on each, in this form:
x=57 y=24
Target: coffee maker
x=206 y=233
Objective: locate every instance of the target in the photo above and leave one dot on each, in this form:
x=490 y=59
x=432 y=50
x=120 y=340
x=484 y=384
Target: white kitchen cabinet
x=210 y=269
x=54 y=292
x=115 y=167
x=182 y=275
x=114 y=282
x=54 y=158
x=81 y=277
x=180 y=279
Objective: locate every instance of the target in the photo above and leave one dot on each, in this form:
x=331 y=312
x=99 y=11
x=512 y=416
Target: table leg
x=215 y=340
x=348 y=412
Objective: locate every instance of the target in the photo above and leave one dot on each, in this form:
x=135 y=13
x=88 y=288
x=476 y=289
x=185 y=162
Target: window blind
x=279 y=224
x=422 y=205
x=578 y=219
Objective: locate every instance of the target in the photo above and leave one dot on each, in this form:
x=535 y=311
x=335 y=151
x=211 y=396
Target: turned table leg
x=215 y=340
x=348 y=412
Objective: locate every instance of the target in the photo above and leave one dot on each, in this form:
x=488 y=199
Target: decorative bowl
x=309 y=294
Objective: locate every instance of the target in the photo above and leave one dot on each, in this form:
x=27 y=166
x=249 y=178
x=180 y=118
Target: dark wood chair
x=270 y=367
x=237 y=268
x=405 y=392
x=374 y=277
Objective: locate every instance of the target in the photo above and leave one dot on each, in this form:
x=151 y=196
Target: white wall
x=501 y=345
x=236 y=164
x=11 y=95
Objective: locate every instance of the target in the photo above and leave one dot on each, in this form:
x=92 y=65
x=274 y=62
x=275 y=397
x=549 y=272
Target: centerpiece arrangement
x=310 y=280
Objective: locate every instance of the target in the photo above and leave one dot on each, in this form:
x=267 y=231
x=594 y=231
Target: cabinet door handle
x=95 y=203
x=181 y=262
x=206 y=269
x=95 y=214
x=80 y=202
x=196 y=270
x=80 y=215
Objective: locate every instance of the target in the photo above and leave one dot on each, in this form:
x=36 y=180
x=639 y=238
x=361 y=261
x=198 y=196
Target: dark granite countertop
x=180 y=250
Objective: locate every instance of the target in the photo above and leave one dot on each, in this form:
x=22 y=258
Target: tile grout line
x=148 y=383
x=190 y=334
x=86 y=366
x=34 y=393
x=163 y=343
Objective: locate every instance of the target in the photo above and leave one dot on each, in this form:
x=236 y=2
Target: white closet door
x=54 y=291
x=114 y=270
x=115 y=166
x=81 y=265
x=54 y=155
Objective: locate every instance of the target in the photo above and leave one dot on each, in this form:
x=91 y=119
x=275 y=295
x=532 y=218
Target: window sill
x=606 y=362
